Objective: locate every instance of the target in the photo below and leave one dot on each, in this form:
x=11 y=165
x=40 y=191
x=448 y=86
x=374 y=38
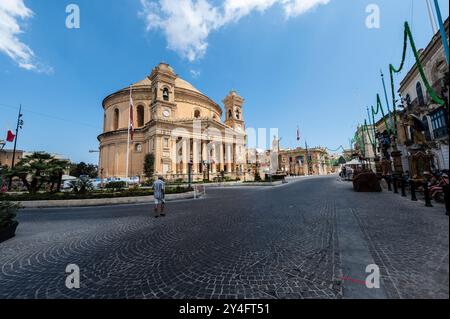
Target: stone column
x=174 y=156
x=195 y=156
x=204 y=151
x=234 y=157
x=229 y=157
x=158 y=154
x=222 y=159
x=205 y=158
x=237 y=163
x=185 y=155
x=214 y=157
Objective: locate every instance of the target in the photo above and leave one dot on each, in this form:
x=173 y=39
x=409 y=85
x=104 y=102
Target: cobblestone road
x=309 y=239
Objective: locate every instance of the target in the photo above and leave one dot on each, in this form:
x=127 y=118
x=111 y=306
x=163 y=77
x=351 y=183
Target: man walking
x=159 y=194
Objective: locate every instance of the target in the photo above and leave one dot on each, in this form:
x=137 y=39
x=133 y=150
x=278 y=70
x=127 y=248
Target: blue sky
x=315 y=68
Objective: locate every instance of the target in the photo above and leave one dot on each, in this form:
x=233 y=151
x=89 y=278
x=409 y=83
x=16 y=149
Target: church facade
x=178 y=124
x=300 y=161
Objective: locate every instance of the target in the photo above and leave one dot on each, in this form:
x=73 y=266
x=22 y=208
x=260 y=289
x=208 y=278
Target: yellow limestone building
x=176 y=123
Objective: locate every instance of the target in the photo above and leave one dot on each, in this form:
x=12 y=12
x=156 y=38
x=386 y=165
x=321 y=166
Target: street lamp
x=190 y=173
x=101 y=170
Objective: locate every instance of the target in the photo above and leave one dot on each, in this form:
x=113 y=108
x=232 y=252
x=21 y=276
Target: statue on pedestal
x=419 y=159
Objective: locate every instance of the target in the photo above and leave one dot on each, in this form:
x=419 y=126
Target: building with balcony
x=418 y=102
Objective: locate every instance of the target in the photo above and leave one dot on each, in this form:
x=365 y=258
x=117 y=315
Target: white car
x=96 y=183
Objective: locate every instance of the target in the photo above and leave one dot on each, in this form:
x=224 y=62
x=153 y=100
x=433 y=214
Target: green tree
x=56 y=169
x=37 y=169
x=149 y=165
x=83 y=169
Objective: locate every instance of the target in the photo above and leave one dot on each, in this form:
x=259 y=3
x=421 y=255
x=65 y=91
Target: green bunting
x=392 y=69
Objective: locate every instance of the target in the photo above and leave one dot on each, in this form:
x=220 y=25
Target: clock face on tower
x=166 y=113
x=239 y=127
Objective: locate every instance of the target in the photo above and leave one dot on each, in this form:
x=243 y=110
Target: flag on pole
x=298 y=134
x=131 y=125
x=10 y=136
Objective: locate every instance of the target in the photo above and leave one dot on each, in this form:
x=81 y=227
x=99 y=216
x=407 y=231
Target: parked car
x=96 y=183
x=135 y=180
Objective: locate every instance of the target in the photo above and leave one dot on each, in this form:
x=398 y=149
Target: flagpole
x=387 y=101
x=307 y=156
x=19 y=124
x=431 y=16
x=128 y=138
x=442 y=29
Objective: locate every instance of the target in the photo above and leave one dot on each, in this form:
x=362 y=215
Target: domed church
x=175 y=122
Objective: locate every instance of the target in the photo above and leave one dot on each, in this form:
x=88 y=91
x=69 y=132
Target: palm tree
x=37 y=169
x=56 y=169
x=82 y=185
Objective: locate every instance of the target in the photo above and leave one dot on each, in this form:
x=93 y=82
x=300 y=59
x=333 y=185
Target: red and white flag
x=131 y=125
x=10 y=136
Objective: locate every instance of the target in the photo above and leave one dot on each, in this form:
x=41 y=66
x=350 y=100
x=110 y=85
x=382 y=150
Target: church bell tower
x=163 y=103
x=233 y=111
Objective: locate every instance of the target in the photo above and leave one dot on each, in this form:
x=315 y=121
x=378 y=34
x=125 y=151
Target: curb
x=101 y=201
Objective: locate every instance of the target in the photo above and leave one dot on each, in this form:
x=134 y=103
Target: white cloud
x=187 y=24
x=298 y=7
x=10 y=12
x=195 y=73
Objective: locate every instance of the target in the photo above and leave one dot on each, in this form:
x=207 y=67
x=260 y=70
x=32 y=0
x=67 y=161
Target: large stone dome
x=179 y=83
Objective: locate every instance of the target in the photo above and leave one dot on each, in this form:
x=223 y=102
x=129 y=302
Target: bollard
x=413 y=191
x=388 y=181
x=403 y=185
x=426 y=192
x=395 y=185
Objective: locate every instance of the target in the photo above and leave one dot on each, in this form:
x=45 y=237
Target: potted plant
x=8 y=222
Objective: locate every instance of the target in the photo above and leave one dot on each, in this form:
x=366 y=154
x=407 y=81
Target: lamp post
x=190 y=164
x=101 y=170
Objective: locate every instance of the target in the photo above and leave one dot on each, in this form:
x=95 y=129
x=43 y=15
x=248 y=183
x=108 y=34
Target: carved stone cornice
x=139 y=94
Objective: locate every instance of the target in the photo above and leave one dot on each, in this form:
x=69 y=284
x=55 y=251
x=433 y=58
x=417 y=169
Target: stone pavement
x=309 y=239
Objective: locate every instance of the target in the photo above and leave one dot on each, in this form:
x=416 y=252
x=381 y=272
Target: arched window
x=420 y=94
x=116 y=120
x=230 y=114
x=140 y=116
x=197 y=114
x=166 y=94
x=238 y=114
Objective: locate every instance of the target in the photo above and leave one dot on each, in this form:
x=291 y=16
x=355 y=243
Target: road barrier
x=394 y=182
